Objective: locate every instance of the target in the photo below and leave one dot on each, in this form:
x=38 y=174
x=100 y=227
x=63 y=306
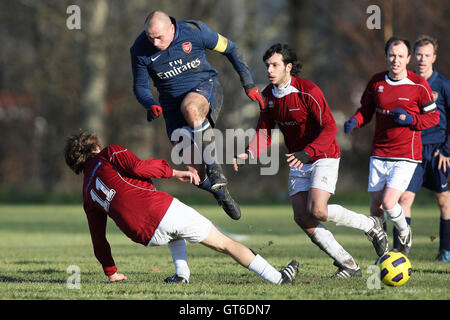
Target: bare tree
x=95 y=68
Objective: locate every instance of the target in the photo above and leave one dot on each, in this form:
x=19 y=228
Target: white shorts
x=321 y=174
x=392 y=174
x=181 y=222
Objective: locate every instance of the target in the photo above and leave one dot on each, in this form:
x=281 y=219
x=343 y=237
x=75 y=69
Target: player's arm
x=260 y=141
x=127 y=161
x=429 y=113
x=102 y=250
x=217 y=42
x=263 y=137
x=186 y=176
x=141 y=86
x=365 y=112
x=429 y=117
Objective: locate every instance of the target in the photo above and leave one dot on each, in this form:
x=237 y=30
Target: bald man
x=173 y=54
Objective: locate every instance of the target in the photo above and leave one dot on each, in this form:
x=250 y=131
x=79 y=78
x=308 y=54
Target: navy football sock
x=206 y=185
x=444 y=235
x=396 y=243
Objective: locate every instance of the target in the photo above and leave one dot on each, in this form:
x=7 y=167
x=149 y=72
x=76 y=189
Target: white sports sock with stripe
x=397 y=217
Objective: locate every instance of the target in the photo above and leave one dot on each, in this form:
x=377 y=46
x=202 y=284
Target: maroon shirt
x=302 y=113
x=117 y=184
x=412 y=94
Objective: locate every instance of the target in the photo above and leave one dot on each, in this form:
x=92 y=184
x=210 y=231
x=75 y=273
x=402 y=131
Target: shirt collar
x=283 y=89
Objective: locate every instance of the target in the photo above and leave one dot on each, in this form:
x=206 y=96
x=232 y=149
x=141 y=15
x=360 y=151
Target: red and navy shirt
x=412 y=94
x=118 y=185
x=302 y=113
x=183 y=65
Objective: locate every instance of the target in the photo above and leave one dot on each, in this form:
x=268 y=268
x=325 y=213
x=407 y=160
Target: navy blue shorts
x=427 y=174
x=210 y=89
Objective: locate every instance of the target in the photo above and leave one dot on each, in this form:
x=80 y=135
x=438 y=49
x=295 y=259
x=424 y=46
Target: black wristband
x=303 y=156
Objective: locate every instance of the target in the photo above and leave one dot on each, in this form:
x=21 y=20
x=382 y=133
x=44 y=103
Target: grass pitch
x=45 y=247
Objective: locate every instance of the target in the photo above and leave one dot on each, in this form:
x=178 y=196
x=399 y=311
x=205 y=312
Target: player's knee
x=443 y=200
x=406 y=199
x=388 y=204
x=194 y=113
x=318 y=212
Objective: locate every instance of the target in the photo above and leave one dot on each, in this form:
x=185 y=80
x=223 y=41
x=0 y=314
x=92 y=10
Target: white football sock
x=324 y=239
x=344 y=217
x=261 y=267
x=397 y=217
x=178 y=250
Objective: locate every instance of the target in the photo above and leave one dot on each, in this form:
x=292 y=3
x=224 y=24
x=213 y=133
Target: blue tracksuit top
x=183 y=65
x=440 y=87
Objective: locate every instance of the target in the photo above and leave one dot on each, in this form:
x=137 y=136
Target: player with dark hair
x=118 y=185
x=300 y=110
x=173 y=55
x=432 y=173
x=403 y=104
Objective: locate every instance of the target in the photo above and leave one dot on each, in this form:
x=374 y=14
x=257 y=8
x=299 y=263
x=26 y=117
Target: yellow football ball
x=395 y=268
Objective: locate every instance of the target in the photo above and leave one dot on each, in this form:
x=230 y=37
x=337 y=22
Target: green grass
x=39 y=242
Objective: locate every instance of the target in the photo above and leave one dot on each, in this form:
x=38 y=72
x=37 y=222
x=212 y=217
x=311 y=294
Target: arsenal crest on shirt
x=187 y=47
x=435 y=95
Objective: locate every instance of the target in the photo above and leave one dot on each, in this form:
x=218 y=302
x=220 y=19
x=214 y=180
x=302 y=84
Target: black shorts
x=427 y=173
x=210 y=89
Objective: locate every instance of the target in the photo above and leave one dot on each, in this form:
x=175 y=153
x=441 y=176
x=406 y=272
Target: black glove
x=303 y=156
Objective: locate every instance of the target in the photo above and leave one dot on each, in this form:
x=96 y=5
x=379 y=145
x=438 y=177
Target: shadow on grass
x=435 y=271
x=30 y=262
x=26 y=280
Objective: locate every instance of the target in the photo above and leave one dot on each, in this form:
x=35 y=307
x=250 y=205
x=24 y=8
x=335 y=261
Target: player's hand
x=153 y=112
x=349 y=125
x=443 y=161
x=401 y=117
x=253 y=93
x=117 y=277
x=243 y=156
x=187 y=176
x=297 y=159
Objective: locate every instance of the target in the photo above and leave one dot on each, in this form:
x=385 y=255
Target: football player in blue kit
x=173 y=55
x=433 y=173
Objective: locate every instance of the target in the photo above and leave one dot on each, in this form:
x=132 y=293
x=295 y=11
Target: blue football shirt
x=183 y=65
x=441 y=93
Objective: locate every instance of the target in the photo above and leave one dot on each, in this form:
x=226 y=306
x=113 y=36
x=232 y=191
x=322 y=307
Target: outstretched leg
x=372 y=226
x=248 y=259
x=195 y=108
x=309 y=209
